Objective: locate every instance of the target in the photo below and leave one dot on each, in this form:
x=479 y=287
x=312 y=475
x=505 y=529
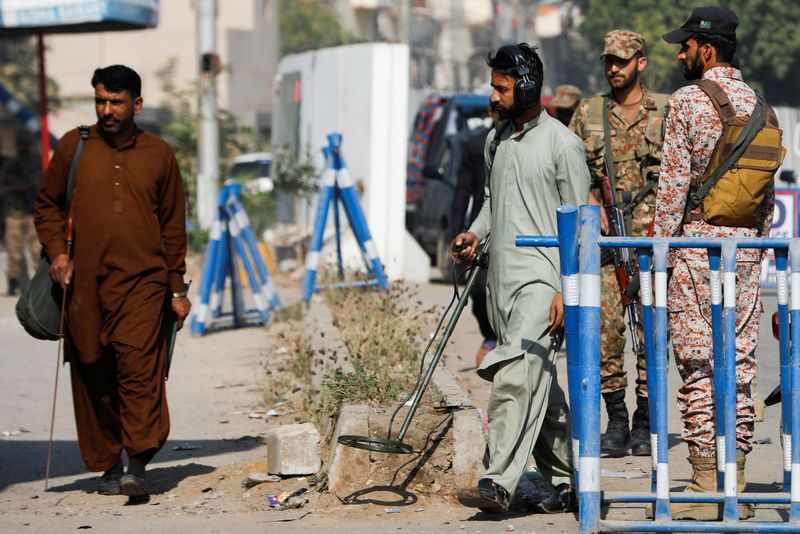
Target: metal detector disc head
x=392 y=446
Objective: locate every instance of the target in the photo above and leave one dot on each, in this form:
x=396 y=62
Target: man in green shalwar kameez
x=535 y=165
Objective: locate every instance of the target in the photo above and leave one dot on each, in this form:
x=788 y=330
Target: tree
x=768 y=43
x=178 y=123
x=19 y=72
x=308 y=25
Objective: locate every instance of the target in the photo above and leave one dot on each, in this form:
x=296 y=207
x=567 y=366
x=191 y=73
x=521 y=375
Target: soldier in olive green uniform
x=634 y=124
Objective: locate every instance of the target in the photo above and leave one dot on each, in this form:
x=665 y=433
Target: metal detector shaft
x=481 y=262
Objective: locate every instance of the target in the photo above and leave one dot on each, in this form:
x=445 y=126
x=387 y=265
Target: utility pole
x=208 y=140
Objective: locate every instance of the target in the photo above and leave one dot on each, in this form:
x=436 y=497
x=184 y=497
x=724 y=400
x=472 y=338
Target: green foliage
x=178 y=122
x=196 y=239
x=381 y=332
x=768 y=42
x=292 y=174
x=308 y=25
x=19 y=72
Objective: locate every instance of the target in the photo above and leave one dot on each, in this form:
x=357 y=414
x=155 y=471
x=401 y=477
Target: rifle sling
x=609 y=156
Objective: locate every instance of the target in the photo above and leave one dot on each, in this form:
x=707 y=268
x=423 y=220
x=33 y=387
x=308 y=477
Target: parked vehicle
x=434 y=162
x=435 y=151
x=256 y=169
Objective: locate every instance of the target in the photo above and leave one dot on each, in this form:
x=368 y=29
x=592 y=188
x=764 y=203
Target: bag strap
x=743 y=140
x=609 y=156
x=719 y=99
x=84 y=132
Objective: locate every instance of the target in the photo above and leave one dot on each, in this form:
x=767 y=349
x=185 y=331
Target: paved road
x=221 y=374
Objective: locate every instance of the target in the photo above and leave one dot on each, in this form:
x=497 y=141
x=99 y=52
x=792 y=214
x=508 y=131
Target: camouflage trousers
x=689 y=306
x=20 y=236
x=613 y=376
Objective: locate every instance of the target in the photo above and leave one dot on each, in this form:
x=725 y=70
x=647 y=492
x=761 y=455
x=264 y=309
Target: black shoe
x=12 y=287
x=616 y=439
x=109 y=482
x=563 y=499
x=640 y=429
x=488 y=497
x=134 y=485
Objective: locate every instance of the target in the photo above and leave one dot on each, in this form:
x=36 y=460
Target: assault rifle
x=624 y=268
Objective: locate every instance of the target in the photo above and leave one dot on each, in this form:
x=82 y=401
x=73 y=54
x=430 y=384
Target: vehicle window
x=251 y=169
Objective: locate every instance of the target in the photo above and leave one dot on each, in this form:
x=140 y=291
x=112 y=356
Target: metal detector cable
x=456 y=279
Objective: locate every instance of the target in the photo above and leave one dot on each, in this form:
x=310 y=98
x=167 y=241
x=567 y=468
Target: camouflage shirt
x=636 y=148
x=692 y=130
x=20 y=171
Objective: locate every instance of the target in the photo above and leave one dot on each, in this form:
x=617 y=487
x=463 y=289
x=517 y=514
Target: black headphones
x=526 y=92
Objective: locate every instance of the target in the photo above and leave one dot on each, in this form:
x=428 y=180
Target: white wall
x=361 y=91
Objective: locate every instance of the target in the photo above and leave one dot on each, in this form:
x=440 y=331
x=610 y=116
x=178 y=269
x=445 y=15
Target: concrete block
x=293 y=450
x=469 y=444
x=449 y=392
x=347 y=465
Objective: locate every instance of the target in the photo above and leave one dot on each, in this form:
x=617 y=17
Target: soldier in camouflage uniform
x=635 y=117
x=708 y=42
x=19 y=180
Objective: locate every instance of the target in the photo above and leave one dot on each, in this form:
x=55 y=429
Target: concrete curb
x=329 y=351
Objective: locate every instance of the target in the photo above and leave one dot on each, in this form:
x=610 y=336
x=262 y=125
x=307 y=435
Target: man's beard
x=507 y=113
x=625 y=82
x=695 y=71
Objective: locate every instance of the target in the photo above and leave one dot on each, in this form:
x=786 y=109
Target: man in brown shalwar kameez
x=125 y=279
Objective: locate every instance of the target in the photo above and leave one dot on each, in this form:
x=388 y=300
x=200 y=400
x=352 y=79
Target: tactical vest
x=594 y=116
x=748 y=153
x=597 y=123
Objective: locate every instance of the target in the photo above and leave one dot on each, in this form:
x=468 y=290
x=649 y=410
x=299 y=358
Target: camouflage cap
x=623 y=44
x=566 y=96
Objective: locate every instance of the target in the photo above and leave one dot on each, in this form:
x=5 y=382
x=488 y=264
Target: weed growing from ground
x=384 y=334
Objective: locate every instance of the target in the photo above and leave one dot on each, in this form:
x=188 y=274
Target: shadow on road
x=25 y=460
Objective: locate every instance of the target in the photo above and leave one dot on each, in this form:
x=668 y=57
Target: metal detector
x=396 y=446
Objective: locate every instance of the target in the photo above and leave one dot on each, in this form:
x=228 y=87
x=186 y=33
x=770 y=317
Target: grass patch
x=381 y=331
x=384 y=333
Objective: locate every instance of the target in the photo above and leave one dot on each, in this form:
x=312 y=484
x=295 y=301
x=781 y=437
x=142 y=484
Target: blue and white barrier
x=584 y=374
x=232 y=241
x=337 y=185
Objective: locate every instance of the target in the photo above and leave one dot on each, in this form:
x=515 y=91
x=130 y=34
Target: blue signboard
x=52 y=16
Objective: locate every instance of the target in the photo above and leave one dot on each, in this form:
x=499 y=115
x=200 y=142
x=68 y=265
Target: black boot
x=12 y=287
x=640 y=428
x=615 y=441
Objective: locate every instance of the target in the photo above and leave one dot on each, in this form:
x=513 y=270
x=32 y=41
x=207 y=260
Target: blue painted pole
x=727 y=455
x=337 y=225
x=781 y=263
x=264 y=285
x=658 y=396
x=223 y=260
x=794 y=390
x=255 y=287
x=358 y=223
x=315 y=246
x=589 y=282
x=568 y=220
x=714 y=264
x=221 y=270
x=646 y=292
x=201 y=314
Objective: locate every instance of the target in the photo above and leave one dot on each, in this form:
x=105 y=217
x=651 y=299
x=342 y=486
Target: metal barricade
x=579 y=242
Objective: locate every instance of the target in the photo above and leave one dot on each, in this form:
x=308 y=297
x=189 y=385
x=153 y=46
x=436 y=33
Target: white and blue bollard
x=589 y=370
x=338 y=185
x=231 y=241
x=568 y=219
